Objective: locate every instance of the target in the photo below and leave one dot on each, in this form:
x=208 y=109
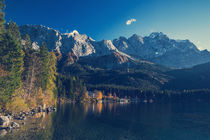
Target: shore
x=10 y=122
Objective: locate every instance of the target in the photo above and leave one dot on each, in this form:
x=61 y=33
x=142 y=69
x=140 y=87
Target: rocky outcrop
x=131 y=46
x=71 y=59
x=7 y=124
x=115 y=60
x=104 y=47
x=4 y=121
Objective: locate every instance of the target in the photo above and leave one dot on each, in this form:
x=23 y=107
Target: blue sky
x=106 y=19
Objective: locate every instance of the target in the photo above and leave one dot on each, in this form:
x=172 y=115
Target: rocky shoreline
x=10 y=122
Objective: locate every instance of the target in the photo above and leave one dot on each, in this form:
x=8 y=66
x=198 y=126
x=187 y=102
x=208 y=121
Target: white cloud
x=130 y=21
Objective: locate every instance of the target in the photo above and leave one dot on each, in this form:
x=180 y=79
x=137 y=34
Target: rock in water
x=4 y=121
x=15 y=125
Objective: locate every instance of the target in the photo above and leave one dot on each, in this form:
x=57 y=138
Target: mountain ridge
x=157 y=47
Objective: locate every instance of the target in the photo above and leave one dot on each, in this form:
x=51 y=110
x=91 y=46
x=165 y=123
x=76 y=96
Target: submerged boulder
x=4 y=121
x=14 y=125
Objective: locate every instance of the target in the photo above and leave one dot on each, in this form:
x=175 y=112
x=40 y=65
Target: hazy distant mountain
x=156 y=47
x=197 y=77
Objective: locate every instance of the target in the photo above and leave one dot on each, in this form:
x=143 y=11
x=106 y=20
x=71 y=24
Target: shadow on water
x=113 y=121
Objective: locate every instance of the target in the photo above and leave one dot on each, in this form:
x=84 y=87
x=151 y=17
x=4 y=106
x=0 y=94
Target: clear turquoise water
x=166 y=121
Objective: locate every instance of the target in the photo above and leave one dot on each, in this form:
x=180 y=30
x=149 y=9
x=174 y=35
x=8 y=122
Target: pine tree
x=13 y=30
x=11 y=56
x=16 y=53
x=28 y=76
x=26 y=42
x=52 y=71
x=44 y=66
x=2 y=20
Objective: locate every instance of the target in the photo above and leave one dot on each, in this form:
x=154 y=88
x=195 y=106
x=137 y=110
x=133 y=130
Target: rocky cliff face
x=156 y=47
x=39 y=34
x=79 y=44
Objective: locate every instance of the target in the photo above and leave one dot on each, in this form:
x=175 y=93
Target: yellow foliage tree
x=87 y=97
x=16 y=105
x=99 y=95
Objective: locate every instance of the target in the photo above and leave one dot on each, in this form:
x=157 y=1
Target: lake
x=114 y=121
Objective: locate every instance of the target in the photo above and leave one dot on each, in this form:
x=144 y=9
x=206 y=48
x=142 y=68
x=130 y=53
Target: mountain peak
x=122 y=38
x=136 y=39
x=73 y=33
x=158 y=35
x=135 y=35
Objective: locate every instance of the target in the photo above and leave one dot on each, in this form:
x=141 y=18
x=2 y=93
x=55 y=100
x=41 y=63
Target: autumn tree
x=99 y=95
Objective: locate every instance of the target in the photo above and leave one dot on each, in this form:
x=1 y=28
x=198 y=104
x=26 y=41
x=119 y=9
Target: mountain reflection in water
x=114 y=121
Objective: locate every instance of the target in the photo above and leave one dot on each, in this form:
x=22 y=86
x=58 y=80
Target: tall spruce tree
x=11 y=56
x=28 y=52
x=28 y=75
x=44 y=66
x=16 y=53
x=52 y=71
x=2 y=20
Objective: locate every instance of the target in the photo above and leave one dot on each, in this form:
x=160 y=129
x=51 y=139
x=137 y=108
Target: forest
x=28 y=77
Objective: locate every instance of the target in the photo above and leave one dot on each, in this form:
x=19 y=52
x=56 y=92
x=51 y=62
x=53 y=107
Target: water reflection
x=113 y=121
x=97 y=108
x=37 y=127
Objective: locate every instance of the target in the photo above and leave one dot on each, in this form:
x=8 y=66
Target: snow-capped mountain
x=80 y=44
x=152 y=46
x=160 y=49
x=157 y=47
x=132 y=45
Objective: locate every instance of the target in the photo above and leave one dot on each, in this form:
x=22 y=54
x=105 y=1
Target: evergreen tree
x=2 y=20
x=11 y=56
x=16 y=53
x=27 y=43
x=28 y=75
x=28 y=55
x=13 y=30
x=44 y=66
x=52 y=71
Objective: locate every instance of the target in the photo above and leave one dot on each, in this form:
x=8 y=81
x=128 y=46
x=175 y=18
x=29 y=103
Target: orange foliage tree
x=99 y=95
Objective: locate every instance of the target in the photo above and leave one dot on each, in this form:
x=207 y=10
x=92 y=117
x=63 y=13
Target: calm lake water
x=110 y=121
